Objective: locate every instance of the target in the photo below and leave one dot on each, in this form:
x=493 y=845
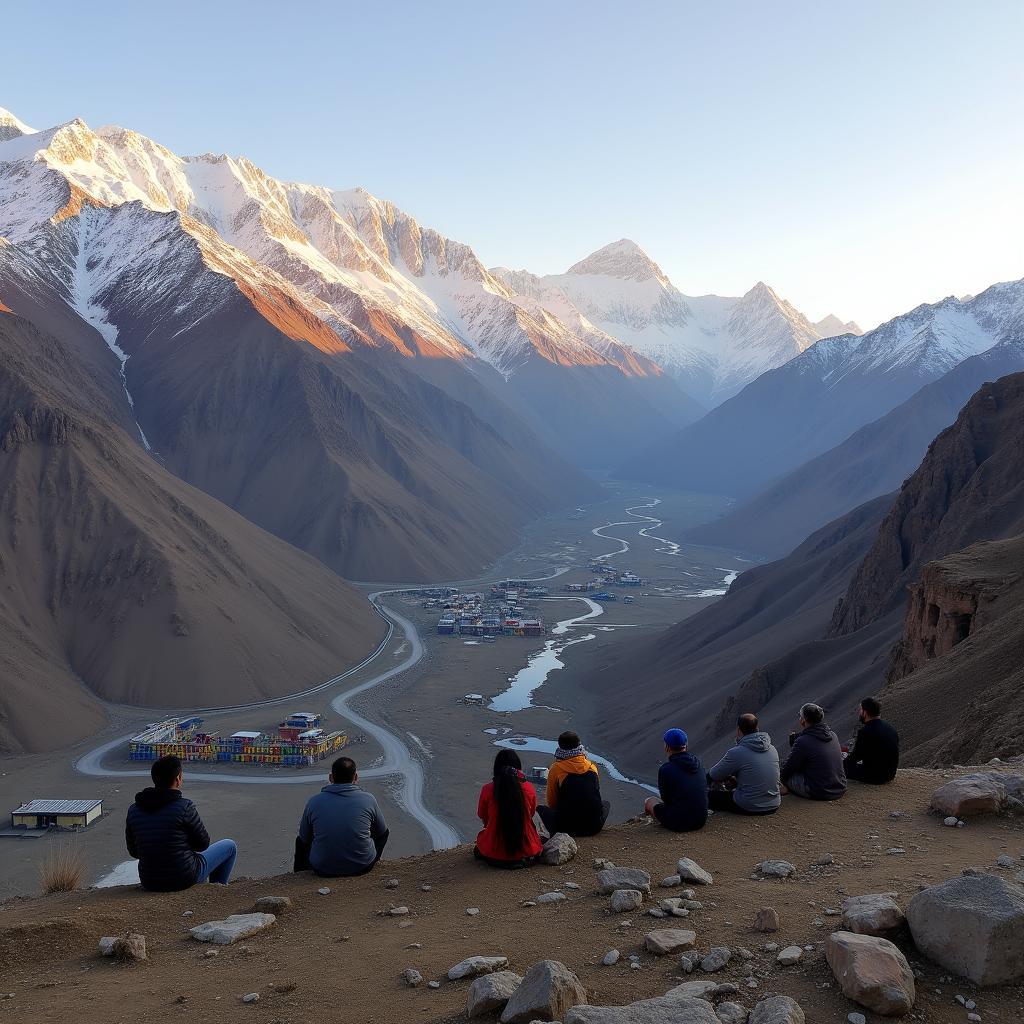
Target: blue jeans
x=218 y=860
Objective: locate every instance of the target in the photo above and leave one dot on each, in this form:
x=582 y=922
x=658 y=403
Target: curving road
x=397 y=758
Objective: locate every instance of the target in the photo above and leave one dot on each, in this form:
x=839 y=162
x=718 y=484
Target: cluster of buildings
x=502 y=613
x=298 y=741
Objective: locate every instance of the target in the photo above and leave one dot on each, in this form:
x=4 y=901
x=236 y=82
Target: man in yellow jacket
x=574 y=803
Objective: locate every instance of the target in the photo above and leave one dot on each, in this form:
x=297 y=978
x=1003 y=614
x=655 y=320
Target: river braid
x=508 y=794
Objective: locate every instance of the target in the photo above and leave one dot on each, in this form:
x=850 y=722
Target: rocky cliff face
x=969 y=487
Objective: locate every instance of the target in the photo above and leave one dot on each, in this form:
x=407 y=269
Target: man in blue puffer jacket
x=165 y=833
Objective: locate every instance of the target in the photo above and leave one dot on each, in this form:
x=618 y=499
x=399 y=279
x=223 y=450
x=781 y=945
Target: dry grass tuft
x=63 y=870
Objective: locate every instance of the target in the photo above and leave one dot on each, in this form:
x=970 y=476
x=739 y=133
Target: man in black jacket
x=165 y=833
x=683 y=788
x=814 y=768
x=876 y=751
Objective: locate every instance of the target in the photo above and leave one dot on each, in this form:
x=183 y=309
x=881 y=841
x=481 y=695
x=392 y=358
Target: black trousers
x=552 y=821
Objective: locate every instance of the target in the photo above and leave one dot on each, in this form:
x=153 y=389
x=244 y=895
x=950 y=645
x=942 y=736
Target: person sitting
x=683 y=806
x=814 y=768
x=342 y=832
x=506 y=806
x=752 y=765
x=164 y=832
x=876 y=750
x=574 y=803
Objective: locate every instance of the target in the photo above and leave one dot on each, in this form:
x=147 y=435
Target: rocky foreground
x=901 y=901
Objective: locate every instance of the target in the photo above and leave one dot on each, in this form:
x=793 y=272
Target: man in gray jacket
x=342 y=831
x=750 y=771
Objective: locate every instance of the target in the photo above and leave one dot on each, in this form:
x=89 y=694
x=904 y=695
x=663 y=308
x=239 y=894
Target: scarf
x=561 y=754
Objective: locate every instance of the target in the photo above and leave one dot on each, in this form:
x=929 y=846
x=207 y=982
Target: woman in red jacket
x=509 y=838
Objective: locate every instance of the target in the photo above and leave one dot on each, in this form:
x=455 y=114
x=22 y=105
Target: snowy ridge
x=713 y=344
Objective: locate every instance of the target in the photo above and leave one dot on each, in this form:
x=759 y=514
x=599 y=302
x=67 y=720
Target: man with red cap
x=683 y=806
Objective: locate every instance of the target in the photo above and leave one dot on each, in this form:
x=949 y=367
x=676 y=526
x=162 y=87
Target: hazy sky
x=859 y=157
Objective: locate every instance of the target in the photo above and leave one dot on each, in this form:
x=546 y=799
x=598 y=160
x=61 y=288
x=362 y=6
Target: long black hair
x=508 y=794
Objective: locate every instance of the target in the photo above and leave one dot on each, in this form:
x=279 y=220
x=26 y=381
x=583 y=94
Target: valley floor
x=421 y=706
x=335 y=957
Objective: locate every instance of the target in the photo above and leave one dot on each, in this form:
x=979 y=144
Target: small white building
x=56 y=813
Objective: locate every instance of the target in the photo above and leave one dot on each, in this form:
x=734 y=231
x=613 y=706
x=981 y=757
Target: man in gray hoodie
x=342 y=831
x=752 y=767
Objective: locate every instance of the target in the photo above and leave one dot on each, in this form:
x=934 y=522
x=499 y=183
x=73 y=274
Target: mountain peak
x=831 y=327
x=623 y=259
x=11 y=127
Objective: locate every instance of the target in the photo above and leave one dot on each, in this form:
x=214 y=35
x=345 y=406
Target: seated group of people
x=343 y=832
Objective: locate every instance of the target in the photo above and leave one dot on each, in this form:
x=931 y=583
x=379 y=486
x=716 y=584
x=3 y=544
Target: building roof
x=57 y=807
x=246 y=735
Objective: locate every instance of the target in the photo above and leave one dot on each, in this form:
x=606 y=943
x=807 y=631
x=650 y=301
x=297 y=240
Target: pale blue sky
x=860 y=157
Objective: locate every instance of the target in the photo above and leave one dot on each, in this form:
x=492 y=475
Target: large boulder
x=547 y=992
x=610 y=879
x=675 y=1007
x=559 y=849
x=873 y=914
x=871 y=971
x=474 y=966
x=777 y=1010
x=231 y=929
x=491 y=992
x=663 y=941
x=972 y=925
x=970 y=795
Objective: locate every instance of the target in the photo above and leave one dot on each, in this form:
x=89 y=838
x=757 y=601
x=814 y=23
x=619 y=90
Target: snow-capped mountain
x=818 y=399
x=831 y=327
x=713 y=345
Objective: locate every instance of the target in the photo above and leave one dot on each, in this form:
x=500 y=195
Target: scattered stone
x=128 y=947
x=324 y=890
x=777 y=1010
x=731 y=1013
x=571 y=885
x=970 y=795
x=425 y=887
x=611 y=957
x=871 y=971
x=107 y=944
x=972 y=925
x=789 y=956
x=547 y=992
x=687 y=961
x=433 y=984
x=895 y=851
x=696 y=989
x=824 y=860
x=398 y=911
x=770 y=947
x=669 y=940
x=391 y=883
x=716 y=959
x=873 y=914
x=674 y=906
x=675 y=1007
x=251 y=997
x=856 y=1018
x=610 y=879
x=208 y=953
x=1004 y=860
x=600 y=863
x=276 y=905
x=474 y=966
x=690 y=871
x=951 y=822
x=472 y=911
x=725 y=988
x=187 y=913
x=550 y=897
x=231 y=929
x=559 y=849
x=626 y=899
x=491 y=992
x=671 y=882
x=767 y=920
x=414 y=945
x=776 y=868
x=656 y=912
x=412 y=977
x=744 y=954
